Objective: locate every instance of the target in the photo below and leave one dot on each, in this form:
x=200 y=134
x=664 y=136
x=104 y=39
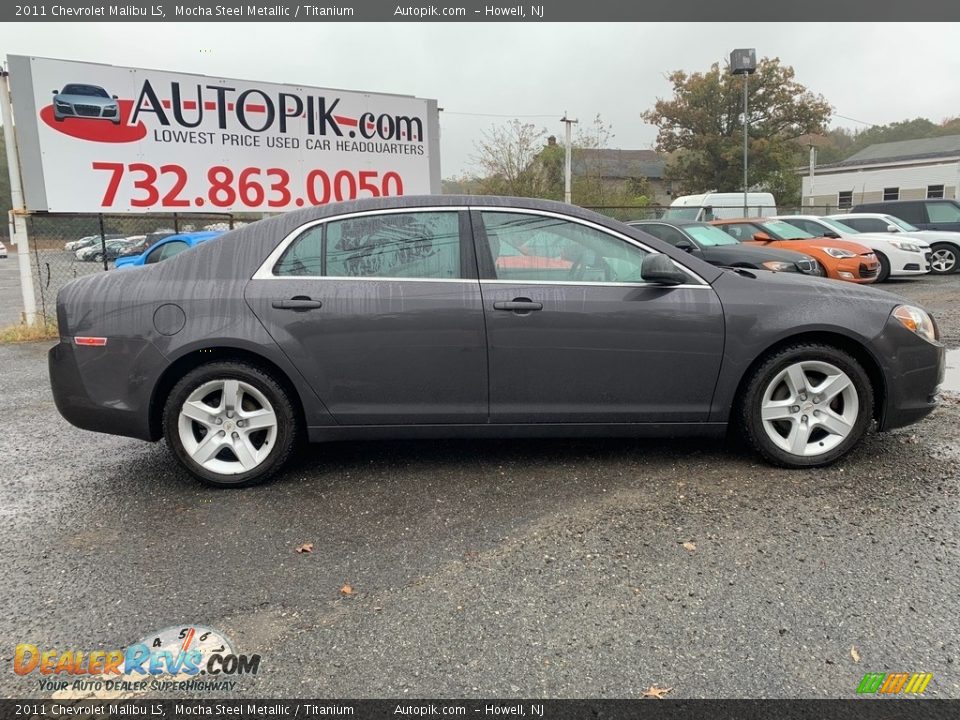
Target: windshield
x=839 y=227
x=708 y=235
x=902 y=224
x=784 y=230
x=87 y=90
x=681 y=213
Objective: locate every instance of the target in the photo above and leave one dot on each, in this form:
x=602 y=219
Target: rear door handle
x=518 y=305
x=298 y=304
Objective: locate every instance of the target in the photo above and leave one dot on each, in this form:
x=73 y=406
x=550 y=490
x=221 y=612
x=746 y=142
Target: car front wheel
x=230 y=424
x=943 y=259
x=807 y=406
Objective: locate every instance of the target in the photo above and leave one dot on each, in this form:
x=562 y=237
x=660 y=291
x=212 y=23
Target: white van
x=716 y=206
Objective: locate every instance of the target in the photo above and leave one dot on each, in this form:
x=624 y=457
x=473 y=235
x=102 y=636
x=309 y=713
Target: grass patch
x=23 y=333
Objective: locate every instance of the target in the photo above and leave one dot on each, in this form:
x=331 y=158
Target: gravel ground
x=479 y=569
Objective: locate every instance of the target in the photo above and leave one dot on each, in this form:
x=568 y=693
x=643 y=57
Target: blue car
x=167 y=248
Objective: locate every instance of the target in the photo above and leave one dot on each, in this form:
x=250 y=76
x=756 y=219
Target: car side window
x=154 y=256
x=942 y=212
x=172 y=248
x=912 y=212
x=539 y=248
x=423 y=245
x=866 y=224
x=808 y=226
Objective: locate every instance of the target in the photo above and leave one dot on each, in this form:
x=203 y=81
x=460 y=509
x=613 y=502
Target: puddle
x=951 y=379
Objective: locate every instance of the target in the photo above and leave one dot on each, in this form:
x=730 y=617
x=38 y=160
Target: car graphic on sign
x=79 y=100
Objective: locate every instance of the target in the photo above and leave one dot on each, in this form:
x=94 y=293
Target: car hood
x=823 y=242
x=86 y=100
x=755 y=253
x=880 y=240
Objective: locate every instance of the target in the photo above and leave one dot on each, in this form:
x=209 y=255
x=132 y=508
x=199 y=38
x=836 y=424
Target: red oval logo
x=97 y=129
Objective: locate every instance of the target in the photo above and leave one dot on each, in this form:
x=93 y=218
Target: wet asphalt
x=497 y=568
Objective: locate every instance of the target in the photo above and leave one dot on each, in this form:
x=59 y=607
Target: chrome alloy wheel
x=227 y=426
x=809 y=408
x=943 y=260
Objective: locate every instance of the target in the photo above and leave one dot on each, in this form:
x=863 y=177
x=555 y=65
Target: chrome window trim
x=684 y=286
x=265 y=271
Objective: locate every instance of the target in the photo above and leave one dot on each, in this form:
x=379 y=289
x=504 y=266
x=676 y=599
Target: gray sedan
x=426 y=317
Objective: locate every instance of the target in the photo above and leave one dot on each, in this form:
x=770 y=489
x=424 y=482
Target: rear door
x=576 y=336
x=381 y=312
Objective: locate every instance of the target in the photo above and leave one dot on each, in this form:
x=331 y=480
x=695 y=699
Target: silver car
x=85 y=101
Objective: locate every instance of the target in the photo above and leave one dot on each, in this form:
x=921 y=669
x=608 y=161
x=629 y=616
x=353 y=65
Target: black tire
x=884 y=272
x=98 y=258
x=950 y=253
x=821 y=269
x=288 y=424
x=750 y=403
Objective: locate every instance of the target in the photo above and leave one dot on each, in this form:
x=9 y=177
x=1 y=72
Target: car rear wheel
x=230 y=424
x=884 y=271
x=98 y=258
x=943 y=259
x=806 y=406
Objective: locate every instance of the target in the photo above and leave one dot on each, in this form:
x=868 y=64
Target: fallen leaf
x=305 y=548
x=656 y=692
x=347 y=590
x=689 y=546
x=854 y=654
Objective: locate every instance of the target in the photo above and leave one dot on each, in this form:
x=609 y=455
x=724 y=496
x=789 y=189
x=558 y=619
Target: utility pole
x=567 y=159
x=744 y=62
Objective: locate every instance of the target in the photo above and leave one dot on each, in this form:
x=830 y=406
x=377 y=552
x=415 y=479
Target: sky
x=488 y=73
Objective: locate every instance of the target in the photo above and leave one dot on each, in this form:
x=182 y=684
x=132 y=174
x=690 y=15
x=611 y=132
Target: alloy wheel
x=943 y=260
x=809 y=408
x=227 y=426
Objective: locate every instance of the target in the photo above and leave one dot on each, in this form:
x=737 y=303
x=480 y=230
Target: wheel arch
x=205 y=356
x=853 y=347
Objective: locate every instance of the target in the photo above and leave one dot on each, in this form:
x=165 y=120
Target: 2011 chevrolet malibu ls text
x=424 y=317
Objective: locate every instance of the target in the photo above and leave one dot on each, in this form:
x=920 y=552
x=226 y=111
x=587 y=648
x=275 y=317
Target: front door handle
x=518 y=305
x=298 y=303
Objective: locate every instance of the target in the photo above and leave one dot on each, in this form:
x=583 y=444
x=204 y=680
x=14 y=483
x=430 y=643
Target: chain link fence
x=67 y=246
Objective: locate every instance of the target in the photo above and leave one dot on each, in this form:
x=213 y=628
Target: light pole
x=567 y=162
x=744 y=62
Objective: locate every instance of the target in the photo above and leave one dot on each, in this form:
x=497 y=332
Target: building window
x=934 y=192
x=891 y=194
x=845 y=199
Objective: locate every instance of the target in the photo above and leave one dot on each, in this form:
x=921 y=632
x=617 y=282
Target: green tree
x=701 y=126
x=506 y=154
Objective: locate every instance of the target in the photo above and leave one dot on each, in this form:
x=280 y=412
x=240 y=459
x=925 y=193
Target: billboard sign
x=103 y=138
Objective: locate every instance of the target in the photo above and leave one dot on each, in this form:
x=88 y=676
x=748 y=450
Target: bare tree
x=507 y=153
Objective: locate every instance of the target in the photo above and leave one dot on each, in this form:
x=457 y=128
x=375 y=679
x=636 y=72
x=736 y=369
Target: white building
x=904 y=170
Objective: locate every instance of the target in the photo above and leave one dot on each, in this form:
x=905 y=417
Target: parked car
x=838 y=259
x=87 y=241
x=3 y=250
x=111 y=249
x=944 y=245
x=934 y=214
x=898 y=257
x=166 y=248
x=393 y=317
x=718 y=248
x=79 y=100
x=713 y=206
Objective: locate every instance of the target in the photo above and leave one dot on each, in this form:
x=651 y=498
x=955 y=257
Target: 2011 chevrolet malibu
x=426 y=317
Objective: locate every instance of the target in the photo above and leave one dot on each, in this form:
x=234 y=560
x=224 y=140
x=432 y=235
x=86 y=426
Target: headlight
x=111 y=107
x=777 y=266
x=838 y=252
x=903 y=245
x=917 y=320
x=61 y=103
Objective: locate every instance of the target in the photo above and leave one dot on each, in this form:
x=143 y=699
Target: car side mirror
x=658 y=268
x=685 y=245
x=831 y=234
x=114 y=97
x=892 y=228
x=762 y=237
x=55 y=92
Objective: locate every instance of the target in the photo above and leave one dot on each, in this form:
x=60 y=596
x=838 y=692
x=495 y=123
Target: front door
x=381 y=313
x=575 y=335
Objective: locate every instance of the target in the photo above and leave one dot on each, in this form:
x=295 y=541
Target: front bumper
x=909 y=263
x=86 y=390
x=913 y=369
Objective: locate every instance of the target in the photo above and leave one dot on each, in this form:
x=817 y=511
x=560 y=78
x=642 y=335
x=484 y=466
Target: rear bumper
x=94 y=399
x=913 y=370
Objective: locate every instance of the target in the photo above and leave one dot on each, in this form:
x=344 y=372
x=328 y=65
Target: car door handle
x=297 y=303
x=518 y=305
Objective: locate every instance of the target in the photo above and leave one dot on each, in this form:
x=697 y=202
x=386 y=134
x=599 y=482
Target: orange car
x=839 y=259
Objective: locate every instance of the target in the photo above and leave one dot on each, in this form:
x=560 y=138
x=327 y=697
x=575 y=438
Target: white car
x=898 y=256
x=944 y=245
x=3 y=250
